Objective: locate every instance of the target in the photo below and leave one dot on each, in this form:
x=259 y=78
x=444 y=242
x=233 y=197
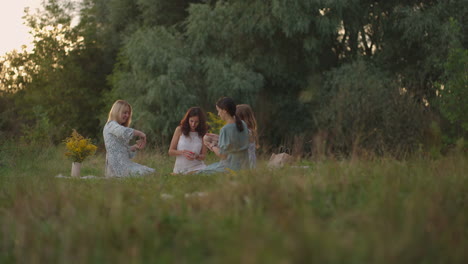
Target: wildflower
x=215 y=123
x=78 y=147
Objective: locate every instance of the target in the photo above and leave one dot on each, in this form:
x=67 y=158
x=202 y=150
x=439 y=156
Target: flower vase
x=76 y=169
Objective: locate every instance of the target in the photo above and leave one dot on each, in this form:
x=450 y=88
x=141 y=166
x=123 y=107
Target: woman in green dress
x=233 y=143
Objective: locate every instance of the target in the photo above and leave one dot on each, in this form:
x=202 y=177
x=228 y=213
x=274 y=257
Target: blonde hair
x=117 y=108
x=245 y=113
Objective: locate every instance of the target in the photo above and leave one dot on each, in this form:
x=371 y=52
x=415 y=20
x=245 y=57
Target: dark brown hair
x=202 y=128
x=226 y=103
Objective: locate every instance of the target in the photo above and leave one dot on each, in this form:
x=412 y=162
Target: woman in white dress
x=187 y=142
x=117 y=136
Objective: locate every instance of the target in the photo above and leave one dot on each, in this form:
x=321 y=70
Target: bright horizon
x=13 y=32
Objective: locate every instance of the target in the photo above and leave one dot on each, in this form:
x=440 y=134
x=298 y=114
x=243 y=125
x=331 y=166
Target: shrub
x=215 y=123
x=366 y=110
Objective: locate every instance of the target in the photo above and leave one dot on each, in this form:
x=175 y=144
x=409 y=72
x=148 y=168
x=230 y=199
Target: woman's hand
x=210 y=140
x=188 y=154
x=134 y=148
x=141 y=143
x=210 y=146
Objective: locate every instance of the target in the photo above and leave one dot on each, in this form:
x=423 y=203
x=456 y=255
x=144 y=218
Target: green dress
x=234 y=145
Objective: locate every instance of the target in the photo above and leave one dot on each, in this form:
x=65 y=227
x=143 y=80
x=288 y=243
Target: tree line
x=339 y=77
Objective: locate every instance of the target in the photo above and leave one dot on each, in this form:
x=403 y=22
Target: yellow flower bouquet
x=78 y=147
x=215 y=123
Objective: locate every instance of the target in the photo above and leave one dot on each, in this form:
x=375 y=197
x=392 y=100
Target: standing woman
x=233 y=142
x=245 y=113
x=117 y=135
x=187 y=142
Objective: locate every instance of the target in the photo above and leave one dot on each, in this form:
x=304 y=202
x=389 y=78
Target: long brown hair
x=245 y=113
x=202 y=127
x=117 y=108
x=227 y=103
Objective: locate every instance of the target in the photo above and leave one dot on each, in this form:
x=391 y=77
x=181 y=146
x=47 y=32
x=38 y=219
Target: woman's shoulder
x=114 y=123
x=177 y=132
x=226 y=128
x=244 y=124
x=233 y=126
x=111 y=123
x=229 y=126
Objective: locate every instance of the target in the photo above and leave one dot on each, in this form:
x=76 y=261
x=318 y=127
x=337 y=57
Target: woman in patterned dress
x=187 y=142
x=117 y=136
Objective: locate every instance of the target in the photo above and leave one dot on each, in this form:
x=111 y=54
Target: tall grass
x=383 y=211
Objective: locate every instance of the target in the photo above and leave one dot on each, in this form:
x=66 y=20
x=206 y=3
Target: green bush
x=453 y=92
x=40 y=133
x=365 y=109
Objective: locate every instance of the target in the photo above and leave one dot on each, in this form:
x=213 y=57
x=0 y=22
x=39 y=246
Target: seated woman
x=187 y=144
x=233 y=144
x=245 y=113
x=117 y=136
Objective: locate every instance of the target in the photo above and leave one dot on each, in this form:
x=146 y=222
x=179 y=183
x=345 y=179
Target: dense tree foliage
x=369 y=73
x=64 y=77
x=453 y=93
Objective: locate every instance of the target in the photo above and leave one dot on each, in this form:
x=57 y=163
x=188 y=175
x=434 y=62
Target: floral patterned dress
x=118 y=163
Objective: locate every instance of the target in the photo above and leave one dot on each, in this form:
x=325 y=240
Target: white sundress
x=192 y=142
x=118 y=153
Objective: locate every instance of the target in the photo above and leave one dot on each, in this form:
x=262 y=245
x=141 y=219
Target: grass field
x=381 y=211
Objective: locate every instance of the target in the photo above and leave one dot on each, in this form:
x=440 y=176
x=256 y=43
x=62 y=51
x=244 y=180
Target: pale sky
x=13 y=33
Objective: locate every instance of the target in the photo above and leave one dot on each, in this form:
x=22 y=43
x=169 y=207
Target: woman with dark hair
x=187 y=144
x=233 y=143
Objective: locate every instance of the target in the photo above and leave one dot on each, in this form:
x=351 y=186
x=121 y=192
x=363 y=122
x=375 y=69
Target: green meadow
x=330 y=211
